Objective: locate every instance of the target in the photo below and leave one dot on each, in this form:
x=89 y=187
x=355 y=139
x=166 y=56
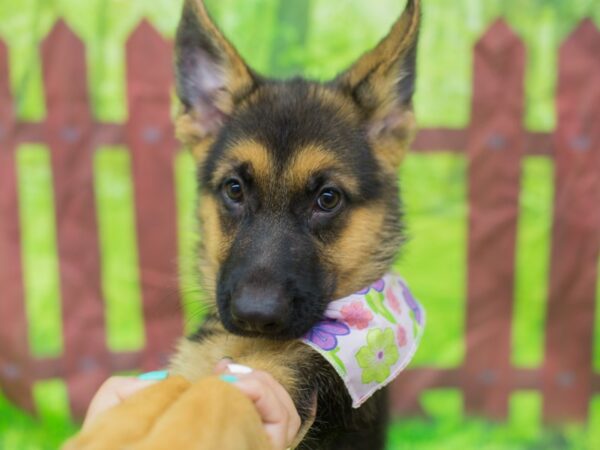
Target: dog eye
x=329 y=199
x=233 y=190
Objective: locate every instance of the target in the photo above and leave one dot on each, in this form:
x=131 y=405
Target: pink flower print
x=394 y=302
x=356 y=315
x=401 y=336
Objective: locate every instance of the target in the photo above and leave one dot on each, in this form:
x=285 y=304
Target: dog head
x=298 y=199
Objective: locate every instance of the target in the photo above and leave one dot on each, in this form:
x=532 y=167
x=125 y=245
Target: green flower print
x=376 y=302
x=378 y=356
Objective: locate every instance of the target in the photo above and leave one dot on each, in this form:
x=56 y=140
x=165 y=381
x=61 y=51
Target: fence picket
x=495 y=146
x=68 y=131
x=567 y=375
x=15 y=373
x=150 y=138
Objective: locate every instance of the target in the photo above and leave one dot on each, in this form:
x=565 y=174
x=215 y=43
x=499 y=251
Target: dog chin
x=294 y=331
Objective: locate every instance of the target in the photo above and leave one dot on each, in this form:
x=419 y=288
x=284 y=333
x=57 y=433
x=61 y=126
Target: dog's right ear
x=211 y=76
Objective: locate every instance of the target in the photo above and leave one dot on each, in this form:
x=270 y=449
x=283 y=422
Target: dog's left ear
x=382 y=83
x=211 y=76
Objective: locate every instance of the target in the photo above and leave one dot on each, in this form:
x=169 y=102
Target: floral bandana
x=369 y=337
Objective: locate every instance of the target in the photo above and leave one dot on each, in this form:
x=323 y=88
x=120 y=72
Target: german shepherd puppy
x=298 y=205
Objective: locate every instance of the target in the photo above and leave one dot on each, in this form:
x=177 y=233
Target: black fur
x=276 y=236
x=266 y=255
x=338 y=426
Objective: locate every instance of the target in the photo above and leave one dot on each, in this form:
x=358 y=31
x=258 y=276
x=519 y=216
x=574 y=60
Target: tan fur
x=131 y=421
x=238 y=74
x=210 y=415
x=391 y=149
x=215 y=244
x=374 y=78
x=251 y=152
x=238 y=79
x=377 y=63
x=358 y=240
x=186 y=131
x=310 y=160
x=195 y=360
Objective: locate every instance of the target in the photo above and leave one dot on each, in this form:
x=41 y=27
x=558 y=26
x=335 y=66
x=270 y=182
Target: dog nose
x=262 y=309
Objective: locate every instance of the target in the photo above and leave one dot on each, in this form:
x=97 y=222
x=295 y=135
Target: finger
x=277 y=419
x=263 y=396
x=293 y=418
x=222 y=366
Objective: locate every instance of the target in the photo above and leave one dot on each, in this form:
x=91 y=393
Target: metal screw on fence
x=11 y=371
x=70 y=134
x=488 y=376
x=581 y=143
x=87 y=364
x=565 y=379
x=497 y=141
x=151 y=134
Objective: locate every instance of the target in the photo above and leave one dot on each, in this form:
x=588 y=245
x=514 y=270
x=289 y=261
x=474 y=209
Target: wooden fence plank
x=495 y=147
x=68 y=130
x=15 y=374
x=150 y=137
x=576 y=232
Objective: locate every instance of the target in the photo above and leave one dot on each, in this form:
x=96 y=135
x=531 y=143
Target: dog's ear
x=210 y=74
x=382 y=83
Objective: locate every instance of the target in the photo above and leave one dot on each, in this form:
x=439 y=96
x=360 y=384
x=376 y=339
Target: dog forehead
x=287 y=116
x=294 y=172
x=288 y=131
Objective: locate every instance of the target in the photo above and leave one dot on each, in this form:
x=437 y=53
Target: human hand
x=273 y=403
x=275 y=407
x=116 y=389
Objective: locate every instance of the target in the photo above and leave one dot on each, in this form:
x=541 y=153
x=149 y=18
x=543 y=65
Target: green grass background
x=332 y=34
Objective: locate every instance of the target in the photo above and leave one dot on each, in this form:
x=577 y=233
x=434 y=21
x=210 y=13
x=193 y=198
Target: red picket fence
x=495 y=144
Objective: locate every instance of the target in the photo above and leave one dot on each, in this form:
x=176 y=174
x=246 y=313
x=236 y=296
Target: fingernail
x=229 y=378
x=157 y=375
x=239 y=369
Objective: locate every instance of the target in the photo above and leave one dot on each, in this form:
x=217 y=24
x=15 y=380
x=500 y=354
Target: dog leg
x=292 y=364
x=304 y=374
